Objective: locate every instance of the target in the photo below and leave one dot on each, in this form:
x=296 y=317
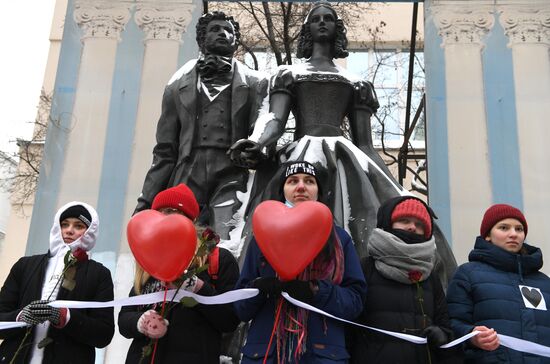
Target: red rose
x=210 y=235
x=415 y=276
x=80 y=255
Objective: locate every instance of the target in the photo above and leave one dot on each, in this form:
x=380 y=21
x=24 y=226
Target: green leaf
x=67 y=257
x=44 y=342
x=188 y=302
x=147 y=349
x=201 y=269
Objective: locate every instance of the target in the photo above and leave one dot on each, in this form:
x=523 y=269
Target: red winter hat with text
x=413 y=208
x=499 y=212
x=180 y=198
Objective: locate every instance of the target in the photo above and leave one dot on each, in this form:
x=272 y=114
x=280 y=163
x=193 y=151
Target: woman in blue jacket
x=501 y=291
x=333 y=282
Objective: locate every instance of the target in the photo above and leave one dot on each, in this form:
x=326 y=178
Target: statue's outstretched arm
x=269 y=127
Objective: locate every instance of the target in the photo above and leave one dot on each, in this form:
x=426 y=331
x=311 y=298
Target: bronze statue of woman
x=322 y=97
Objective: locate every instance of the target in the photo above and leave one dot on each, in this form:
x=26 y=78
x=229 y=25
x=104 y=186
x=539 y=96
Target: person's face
x=72 y=229
x=170 y=211
x=220 y=38
x=322 y=24
x=507 y=234
x=300 y=187
x=410 y=224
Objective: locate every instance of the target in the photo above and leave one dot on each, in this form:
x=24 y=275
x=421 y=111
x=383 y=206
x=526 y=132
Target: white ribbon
x=241 y=294
x=508 y=341
x=11 y=324
x=524 y=345
x=147 y=299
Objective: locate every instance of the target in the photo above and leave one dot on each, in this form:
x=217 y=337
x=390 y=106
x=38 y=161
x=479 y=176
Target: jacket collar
x=499 y=258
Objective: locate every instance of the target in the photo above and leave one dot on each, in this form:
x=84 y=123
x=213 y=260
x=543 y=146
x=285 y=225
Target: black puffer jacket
x=194 y=334
x=394 y=306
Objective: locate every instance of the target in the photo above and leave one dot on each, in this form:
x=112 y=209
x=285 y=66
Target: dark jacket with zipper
x=487 y=291
x=86 y=329
x=325 y=341
x=194 y=333
x=395 y=306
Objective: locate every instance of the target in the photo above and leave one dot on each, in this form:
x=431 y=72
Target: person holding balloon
x=185 y=334
x=332 y=281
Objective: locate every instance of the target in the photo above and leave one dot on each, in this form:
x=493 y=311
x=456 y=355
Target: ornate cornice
x=101 y=19
x=462 y=25
x=525 y=25
x=163 y=22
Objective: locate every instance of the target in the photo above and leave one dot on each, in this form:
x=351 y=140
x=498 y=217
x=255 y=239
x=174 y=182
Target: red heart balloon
x=163 y=245
x=290 y=238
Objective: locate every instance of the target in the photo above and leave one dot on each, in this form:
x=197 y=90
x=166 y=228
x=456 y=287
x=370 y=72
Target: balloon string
x=275 y=324
x=162 y=314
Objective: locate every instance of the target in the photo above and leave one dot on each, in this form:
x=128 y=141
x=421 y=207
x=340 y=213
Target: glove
x=152 y=325
x=191 y=284
x=59 y=317
x=300 y=290
x=30 y=316
x=42 y=311
x=268 y=286
x=436 y=336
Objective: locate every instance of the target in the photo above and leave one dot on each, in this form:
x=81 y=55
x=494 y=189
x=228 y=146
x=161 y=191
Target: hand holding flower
x=152 y=324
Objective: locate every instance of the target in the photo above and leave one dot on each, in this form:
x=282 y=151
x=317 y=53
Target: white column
x=163 y=27
x=462 y=29
x=528 y=30
x=102 y=24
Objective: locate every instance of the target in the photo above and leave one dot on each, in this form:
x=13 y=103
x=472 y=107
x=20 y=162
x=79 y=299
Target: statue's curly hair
x=305 y=42
x=204 y=20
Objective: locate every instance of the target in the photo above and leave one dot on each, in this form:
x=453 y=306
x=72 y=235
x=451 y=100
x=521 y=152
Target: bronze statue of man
x=208 y=105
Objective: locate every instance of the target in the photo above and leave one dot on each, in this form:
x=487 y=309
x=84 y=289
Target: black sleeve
x=165 y=152
x=441 y=319
x=128 y=318
x=10 y=296
x=19 y=289
x=93 y=327
x=222 y=317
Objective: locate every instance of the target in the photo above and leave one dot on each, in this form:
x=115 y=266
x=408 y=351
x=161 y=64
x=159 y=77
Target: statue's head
x=306 y=39
x=217 y=34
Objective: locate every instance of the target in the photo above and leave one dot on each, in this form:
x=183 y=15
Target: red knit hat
x=180 y=198
x=413 y=208
x=499 y=212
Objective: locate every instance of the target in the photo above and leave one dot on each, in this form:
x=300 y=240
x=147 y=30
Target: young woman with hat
x=403 y=295
x=188 y=334
x=65 y=272
x=501 y=291
x=333 y=282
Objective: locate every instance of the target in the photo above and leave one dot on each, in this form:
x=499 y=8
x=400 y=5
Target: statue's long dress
x=354 y=182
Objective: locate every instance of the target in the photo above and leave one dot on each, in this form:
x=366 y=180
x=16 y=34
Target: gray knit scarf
x=394 y=259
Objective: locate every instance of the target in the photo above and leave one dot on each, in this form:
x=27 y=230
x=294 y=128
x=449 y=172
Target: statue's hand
x=246 y=153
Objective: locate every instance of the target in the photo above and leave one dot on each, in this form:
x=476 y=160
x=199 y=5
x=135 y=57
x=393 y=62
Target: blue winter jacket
x=325 y=337
x=487 y=292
